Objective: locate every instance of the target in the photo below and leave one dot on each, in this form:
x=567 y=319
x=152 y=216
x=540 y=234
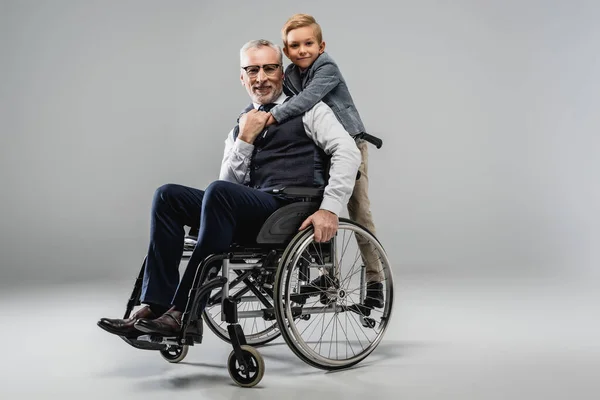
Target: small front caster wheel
x=174 y=354
x=250 y=376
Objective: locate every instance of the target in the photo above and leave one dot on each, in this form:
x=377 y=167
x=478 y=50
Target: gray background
x=488 y=111
x=485 y=194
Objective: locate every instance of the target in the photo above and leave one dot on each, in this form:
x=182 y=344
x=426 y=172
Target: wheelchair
x=256 y=292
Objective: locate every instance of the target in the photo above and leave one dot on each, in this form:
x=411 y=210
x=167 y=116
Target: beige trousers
x=359 y=209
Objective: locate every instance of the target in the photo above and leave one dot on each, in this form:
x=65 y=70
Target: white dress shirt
x=325 y=130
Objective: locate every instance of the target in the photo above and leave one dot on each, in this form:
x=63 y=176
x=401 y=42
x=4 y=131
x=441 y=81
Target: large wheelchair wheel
x=331 y=326
x=258 y=330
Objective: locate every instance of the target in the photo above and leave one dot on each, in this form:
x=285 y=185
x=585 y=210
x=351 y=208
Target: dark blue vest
x=285 y=156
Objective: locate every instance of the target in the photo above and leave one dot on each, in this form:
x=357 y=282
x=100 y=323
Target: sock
x=158 y=309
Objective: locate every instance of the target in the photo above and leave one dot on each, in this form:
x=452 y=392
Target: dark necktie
x=266 y=107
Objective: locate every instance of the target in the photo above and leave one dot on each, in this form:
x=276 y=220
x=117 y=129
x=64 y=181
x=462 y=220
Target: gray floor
x=450 y=339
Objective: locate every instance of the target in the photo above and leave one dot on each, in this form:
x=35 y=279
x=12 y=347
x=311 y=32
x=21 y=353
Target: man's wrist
x=243 y=146
x=246 y=139
x=331 y=205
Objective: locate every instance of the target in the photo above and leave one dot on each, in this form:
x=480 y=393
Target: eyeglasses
x=270 y=69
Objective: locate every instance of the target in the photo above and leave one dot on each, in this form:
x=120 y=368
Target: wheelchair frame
x=275 y=245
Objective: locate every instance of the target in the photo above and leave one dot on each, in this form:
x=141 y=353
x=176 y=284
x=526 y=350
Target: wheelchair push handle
x=371 y=139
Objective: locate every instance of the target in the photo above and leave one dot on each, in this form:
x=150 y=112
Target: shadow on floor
x=280 y=362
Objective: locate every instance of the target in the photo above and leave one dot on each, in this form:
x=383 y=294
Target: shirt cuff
x=276 y=114
x=243 y=148
x=332 y=205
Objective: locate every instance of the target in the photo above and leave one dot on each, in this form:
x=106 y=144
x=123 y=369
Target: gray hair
x=258 y=44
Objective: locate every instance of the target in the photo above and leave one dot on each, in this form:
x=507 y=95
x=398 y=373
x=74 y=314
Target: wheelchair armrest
x=298 y=191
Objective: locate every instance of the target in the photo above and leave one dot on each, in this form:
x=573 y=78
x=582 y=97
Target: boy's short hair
x=300 y=21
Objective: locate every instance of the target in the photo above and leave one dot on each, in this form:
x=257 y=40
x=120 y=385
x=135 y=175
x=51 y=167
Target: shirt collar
x=279 y=100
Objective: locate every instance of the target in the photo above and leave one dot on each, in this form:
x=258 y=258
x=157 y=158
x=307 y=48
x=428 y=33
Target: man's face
x=264 y=84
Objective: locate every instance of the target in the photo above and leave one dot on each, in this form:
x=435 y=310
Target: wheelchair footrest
x=144 y=344
x=194 y=331
x=191 y=339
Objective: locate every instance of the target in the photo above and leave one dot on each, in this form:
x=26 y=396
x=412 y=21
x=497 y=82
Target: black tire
x=175 y=354
x=281 y=286
x=256 y=367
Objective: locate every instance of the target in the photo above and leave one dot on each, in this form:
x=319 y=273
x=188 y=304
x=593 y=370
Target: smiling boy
x=314 y=76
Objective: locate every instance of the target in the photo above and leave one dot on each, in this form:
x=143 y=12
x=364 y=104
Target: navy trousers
x=225 y=211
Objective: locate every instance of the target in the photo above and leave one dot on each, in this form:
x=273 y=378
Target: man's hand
x=252 y=124
x=271 y=120
x=325 y=224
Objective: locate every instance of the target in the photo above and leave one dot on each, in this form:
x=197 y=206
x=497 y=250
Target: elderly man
x=256 y=159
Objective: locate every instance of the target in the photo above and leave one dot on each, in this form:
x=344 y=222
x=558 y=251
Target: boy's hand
x=271 y=120
x=252 y=124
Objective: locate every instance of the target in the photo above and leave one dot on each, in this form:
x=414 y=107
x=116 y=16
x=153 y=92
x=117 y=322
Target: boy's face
x=302 y=47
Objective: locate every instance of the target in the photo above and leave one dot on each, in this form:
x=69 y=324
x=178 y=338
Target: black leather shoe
x=166 y=325
x=374 y=298
x=125 y=327
x=320 y=285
